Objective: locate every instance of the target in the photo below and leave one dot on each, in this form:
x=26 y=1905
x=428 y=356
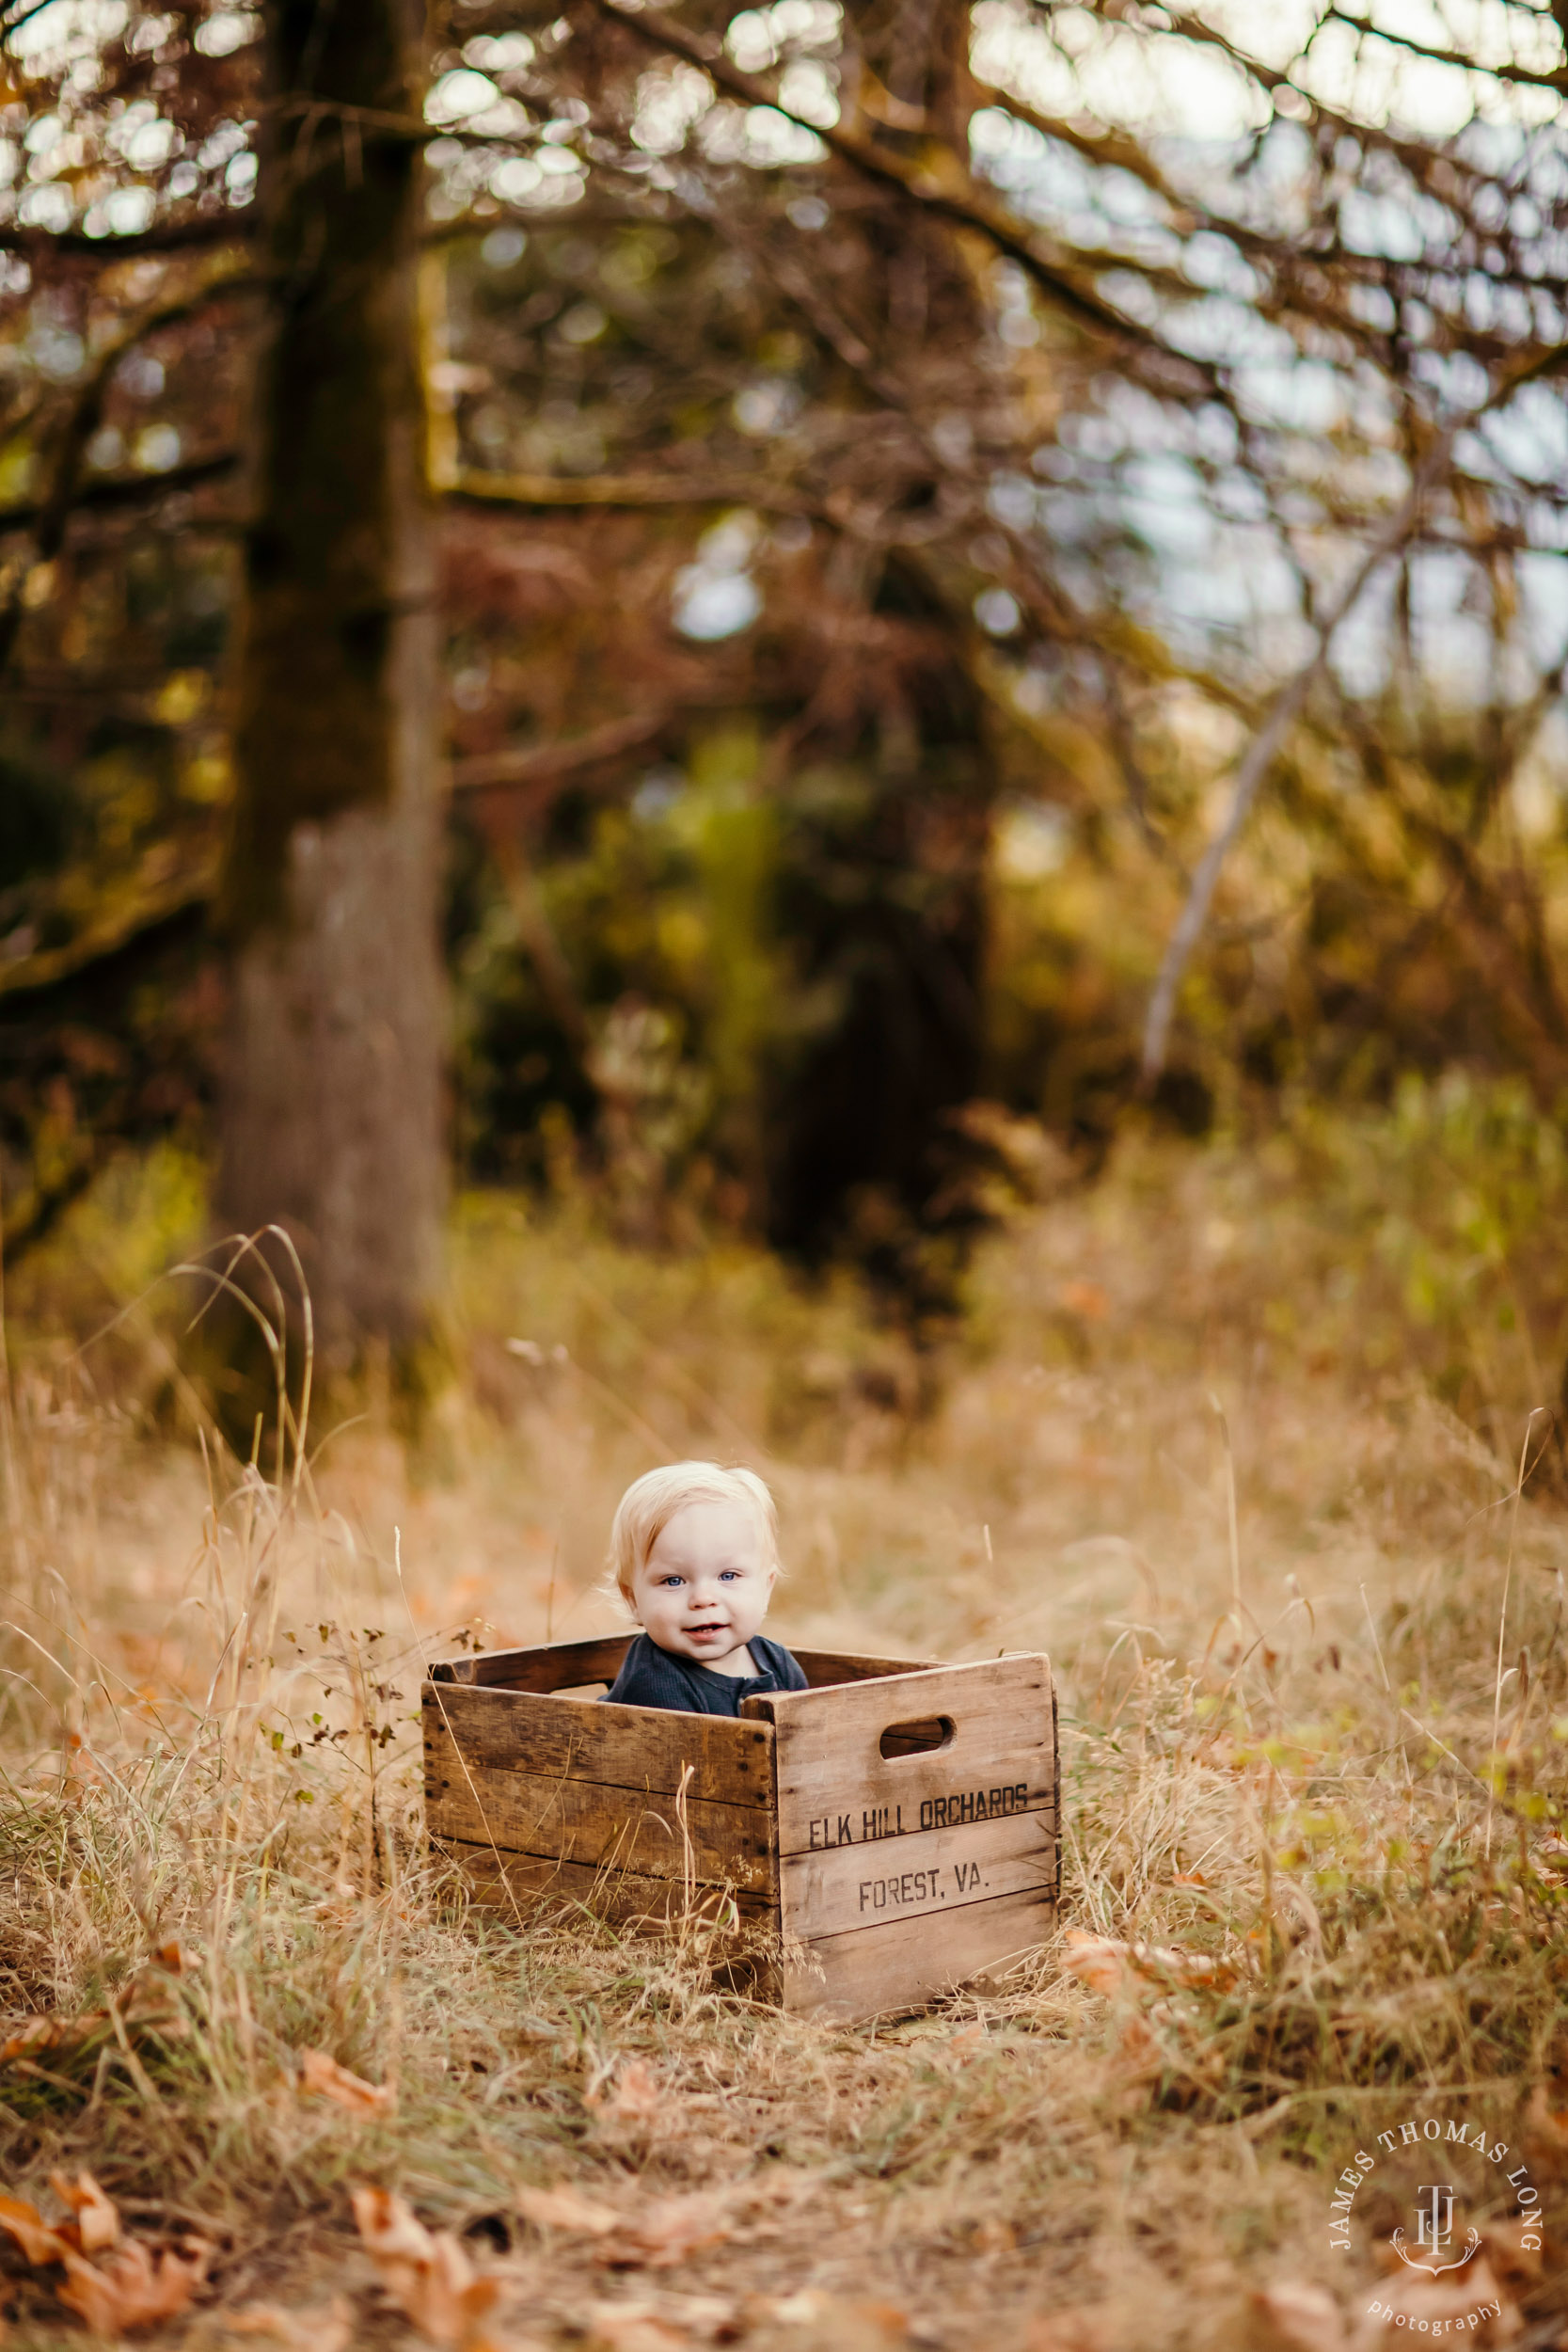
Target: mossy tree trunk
x=331 y=1119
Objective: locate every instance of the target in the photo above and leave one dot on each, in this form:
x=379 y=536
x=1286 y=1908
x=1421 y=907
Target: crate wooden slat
x=517 y=1884
x=904 y=1965
x=584 y=1738
x=894 y=1827
x=565 y=1666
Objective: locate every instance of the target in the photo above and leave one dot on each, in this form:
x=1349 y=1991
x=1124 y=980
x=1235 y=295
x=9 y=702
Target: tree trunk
x=331 y=1119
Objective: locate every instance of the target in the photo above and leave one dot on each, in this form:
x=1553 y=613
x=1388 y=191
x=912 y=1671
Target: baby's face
x=704 y=1589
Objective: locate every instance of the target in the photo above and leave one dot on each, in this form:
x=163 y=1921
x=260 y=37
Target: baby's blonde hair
x=651 y=1502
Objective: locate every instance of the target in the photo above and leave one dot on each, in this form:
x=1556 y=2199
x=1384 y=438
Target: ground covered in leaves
x=1235 y=1436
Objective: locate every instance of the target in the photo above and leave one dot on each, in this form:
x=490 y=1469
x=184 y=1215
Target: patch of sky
x=1030 y=840
x=46 y=207
x=772 y=141
x=67 y=29
x=1373 y=305
x=1165 y=502
x=1012 y=500
x=55 y=351
x=1130 y=295
x=1307 y=397
x=767 y=407
x=657 y=794
x=1361 y=655
x=1529 y=436
x=758 y=37
x=1544 y=600
x=1395 y=226
x=1457 y=378
x=1094 y=434
x=669 y=101
x=809 y=88
x=1213 y=263
x=1213 y=327
x=226 y=30
x=717 y=597
x=499 y=53
x=997 y=611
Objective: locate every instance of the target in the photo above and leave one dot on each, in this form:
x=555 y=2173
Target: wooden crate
x=887 y=1833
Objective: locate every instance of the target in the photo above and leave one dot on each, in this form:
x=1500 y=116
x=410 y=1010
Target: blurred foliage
x=857 y=609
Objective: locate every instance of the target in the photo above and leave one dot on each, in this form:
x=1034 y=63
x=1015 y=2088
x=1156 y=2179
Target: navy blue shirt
x=651 y=1677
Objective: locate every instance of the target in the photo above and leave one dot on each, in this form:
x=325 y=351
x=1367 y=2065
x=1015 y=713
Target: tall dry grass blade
x=1502 y=1616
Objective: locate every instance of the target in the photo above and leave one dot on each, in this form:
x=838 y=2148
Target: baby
x=694 y=1550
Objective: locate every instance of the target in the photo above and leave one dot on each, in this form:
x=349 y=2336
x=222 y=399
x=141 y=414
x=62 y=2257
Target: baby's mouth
x=703 y=1633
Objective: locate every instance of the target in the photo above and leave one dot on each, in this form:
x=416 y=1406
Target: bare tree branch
x=1261 y=753
x=533 y=770
x=1557 y=79
x=120 y=491
x=970 y=210
x=633 y=492
x=81 y=422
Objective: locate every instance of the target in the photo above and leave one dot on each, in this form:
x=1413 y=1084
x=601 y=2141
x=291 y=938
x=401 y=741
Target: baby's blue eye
x=671 y=1580
x=727 y=1576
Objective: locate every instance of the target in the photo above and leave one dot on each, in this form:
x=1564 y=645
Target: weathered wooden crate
x=887 y=1833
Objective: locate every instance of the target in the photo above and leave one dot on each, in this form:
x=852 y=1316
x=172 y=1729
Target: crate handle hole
x=918 y=1738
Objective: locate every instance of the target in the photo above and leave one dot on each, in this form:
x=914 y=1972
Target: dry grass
x=1289 y=1760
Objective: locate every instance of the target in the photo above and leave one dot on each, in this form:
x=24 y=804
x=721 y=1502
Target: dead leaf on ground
x=33 y=2037
x=322 y=2077
x=993 y=2236
x=323 y=2328
x=568 y=2209
x=1070 y=2330
x=1108 y=1964
x=827 y=2323
x=134 y=2287
x=665 y=2232
x=1292 y=2316
x=634 y=2097
x=652 y=2236
x=692 y=2318
x=1517 y=2252
x=39 y=2240
x=97 y=2216
x=1101 y=1961
x=148 y=2004
x=632 y=2327
x=426 y=2272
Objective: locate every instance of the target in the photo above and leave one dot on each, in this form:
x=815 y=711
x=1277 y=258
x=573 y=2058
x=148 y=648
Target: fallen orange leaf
x=1292 y=2316
x=426 y=2272
x=326 y=2328
x=1104 y=1962
x=97 y=2217
x=39 y=2239
x=635 y=2098
x=322 y=2077
x=1098 y=1961
x=134 y=2288
x=666 y=2230
x=566 y=2209
x=631 y=2328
